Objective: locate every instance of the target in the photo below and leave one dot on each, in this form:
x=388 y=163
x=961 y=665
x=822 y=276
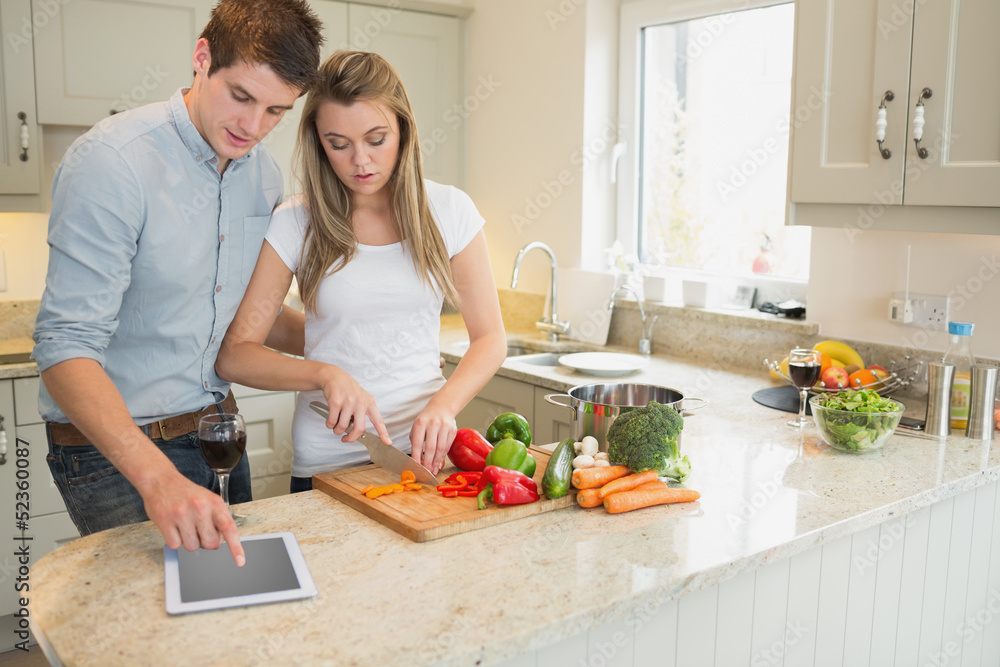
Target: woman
x=376 y=250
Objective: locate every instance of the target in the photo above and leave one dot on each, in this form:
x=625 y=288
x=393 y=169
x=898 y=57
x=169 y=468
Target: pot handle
x=687 y=411
x=551 y=398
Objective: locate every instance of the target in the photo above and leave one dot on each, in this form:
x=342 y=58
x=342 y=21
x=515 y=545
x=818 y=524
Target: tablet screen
x=200 y=580
x=206 y=575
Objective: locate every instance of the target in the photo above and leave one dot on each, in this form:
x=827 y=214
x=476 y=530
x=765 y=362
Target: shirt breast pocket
x=254 y=228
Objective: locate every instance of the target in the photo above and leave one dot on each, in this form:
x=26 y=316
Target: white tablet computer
x=204 y=579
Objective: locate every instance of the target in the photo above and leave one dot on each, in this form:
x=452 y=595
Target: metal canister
x=940 y=377
x=982 y=402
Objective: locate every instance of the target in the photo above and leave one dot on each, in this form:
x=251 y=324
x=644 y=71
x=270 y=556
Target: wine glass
x=804 y=367
x=223 y=438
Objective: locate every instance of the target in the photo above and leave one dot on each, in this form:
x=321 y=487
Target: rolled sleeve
x=93 y=235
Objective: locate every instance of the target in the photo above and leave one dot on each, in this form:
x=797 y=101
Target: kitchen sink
x=537 y=359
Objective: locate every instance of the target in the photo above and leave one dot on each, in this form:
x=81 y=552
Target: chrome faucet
x=551 y=323
x=646 y=337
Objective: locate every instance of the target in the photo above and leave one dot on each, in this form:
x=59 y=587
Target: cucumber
x=559 y=471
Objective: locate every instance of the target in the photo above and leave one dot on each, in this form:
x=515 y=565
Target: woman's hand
x=347 y=401
x=431 y=436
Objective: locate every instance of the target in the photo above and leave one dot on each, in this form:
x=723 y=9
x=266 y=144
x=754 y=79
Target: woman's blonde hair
x=330 y=243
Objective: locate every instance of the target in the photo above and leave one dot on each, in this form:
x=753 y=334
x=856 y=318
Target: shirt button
x=213 y=160
x=218 y=288
x=222 y=237
x=213 y=339
x=206 y=385
x=198 y=159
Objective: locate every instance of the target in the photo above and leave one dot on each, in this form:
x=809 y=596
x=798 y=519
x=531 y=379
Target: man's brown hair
x=285 y=35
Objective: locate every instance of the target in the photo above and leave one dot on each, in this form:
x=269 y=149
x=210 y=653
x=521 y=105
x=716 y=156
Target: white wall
x=852 y=276
x=22 y=239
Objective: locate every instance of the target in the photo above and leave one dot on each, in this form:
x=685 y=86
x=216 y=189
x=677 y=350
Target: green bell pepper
x=511 y=454
x=509 y=425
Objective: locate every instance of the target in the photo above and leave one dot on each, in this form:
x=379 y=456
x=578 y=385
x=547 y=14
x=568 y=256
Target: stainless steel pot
x=596 y=406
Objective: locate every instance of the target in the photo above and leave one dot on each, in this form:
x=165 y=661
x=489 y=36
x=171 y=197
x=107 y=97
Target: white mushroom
x=583 y=461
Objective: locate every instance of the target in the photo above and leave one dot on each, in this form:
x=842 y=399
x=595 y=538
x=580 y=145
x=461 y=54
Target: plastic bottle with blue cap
x=959 y=353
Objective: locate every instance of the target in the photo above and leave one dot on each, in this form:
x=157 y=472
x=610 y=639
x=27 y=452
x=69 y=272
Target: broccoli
x=647 y=439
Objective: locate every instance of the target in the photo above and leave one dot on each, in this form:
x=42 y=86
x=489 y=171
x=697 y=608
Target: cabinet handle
x=881 y=124
x=918 y=122
x=3 y=443
x=23 y=117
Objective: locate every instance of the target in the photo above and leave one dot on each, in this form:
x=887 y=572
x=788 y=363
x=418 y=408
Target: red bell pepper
x=469 y=450
x=505 y=487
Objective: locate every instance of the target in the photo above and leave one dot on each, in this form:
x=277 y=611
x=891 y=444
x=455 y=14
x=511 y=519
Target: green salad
x=863 y=421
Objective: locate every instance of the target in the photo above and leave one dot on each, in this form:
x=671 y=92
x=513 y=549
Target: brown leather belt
x=68 y=435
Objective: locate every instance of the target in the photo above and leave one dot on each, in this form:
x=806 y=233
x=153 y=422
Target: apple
x=834 y=378
x=880 y=371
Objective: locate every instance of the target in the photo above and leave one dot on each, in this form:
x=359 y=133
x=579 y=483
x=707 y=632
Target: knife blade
x=385 y=455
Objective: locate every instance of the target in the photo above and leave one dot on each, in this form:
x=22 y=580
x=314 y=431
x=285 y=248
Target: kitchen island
x=793 y=553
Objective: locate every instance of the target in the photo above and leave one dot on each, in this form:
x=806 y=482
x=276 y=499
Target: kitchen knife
x=385 y=455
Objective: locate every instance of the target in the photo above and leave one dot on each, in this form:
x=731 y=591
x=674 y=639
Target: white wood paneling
x=803 y=607
x=885 y=610
x=911 y=594
x=656 y=634
x=935 y=580
x=770 y=603
x=978 y=593
x=696 y=628
x=832 y=619
x=614 y=642
x=733 y=634
x=865 y=557
x=991 y=639
x=957 y=583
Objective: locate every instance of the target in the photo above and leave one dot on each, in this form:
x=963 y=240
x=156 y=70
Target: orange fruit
x=863 y=379
x=826 y=362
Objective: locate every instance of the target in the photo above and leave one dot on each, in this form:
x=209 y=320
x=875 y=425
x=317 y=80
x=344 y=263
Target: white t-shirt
x=378 y=320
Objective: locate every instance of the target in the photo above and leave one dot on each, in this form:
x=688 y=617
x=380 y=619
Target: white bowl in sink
x=610 y=364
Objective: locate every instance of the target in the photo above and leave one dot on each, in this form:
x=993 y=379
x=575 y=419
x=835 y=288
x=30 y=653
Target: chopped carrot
x=628 y=482
x=368 y=488
x=412 y=486
x=589 y=498
x=589 y=478
x=626 y=501
x=407 y=476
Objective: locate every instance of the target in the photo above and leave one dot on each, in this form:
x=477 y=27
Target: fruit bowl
x=895 y=378
x=860 y=422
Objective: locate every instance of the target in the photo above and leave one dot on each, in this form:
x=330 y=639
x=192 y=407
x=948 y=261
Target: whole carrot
x=628 y=482
x=589 y=498
x=626 y=501
x=589 y=478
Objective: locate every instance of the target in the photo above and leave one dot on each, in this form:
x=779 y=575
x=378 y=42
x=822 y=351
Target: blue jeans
x=300 y=484
x=99 y=497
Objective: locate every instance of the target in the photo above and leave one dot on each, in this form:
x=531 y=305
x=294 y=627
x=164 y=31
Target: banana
x=841 y=352
x=783 y=367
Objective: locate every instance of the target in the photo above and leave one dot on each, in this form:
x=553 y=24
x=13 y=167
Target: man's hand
x=191 y=516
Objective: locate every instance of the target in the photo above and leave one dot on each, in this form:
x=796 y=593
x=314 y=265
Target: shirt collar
x=200 y=149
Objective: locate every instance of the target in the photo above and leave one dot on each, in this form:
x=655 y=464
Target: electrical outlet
x=929 y=312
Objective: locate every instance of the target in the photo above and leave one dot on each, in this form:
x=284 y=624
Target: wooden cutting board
x=425 y=514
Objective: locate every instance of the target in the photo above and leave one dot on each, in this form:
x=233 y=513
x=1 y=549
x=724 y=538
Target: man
x=158 y=215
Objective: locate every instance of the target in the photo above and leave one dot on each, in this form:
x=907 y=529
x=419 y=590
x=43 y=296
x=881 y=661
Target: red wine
x=222 y=455
x=804 y=374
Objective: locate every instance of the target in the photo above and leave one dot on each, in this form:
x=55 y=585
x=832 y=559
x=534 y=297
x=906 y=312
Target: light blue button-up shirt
x=150 y=253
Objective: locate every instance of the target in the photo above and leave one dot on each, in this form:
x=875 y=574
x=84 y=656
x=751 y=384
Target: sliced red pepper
x=470 y=492
x=450 y=493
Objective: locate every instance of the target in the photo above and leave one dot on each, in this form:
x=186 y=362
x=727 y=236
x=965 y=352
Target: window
x=705 y=98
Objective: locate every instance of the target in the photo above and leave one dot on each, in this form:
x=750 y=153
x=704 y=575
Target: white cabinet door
x=281 y=140
x=8 y=486
x=268 y=417
x=851 y=57
x=844 y=65
x=20 y=170
x=426 y=50
x=45 y=496
x=498 y=396
x=98 y=57
x=552 y=423
x=956 y=54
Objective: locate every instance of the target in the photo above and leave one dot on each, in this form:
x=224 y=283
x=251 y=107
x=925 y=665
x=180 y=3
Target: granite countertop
x=768 y=492
x=14 y=358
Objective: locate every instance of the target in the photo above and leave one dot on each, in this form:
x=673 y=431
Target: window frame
x=634 y=17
